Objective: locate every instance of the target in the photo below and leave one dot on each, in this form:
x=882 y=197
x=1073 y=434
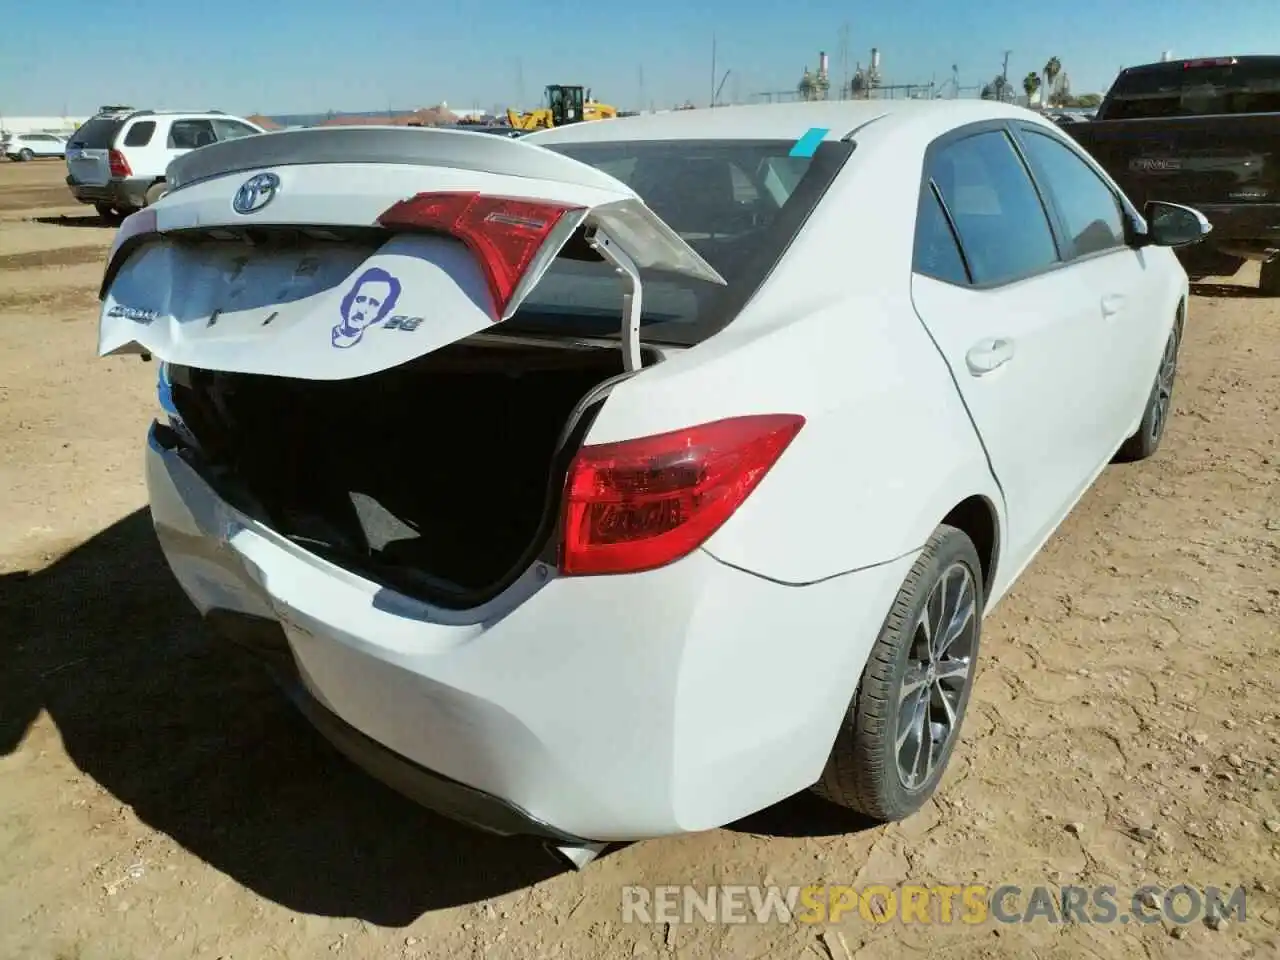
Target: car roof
x=837 y=119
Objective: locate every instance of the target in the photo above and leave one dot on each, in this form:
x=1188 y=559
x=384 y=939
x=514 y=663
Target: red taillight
x=119 y=165
x=1209 y=62
x=504 y=234
x=640 y=504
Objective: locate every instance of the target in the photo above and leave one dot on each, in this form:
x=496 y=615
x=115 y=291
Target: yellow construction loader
x=565 y=103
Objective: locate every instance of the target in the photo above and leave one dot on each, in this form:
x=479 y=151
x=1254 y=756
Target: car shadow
x=804 y=815
x=1224 y=290
x=203 y=747
x=93 y=221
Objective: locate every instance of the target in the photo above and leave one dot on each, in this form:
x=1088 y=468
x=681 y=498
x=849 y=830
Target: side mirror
x=1173 y=225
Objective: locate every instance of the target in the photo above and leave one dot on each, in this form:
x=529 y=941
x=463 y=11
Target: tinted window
x=1090 y=211
x=1178 y=90
x=1002 y=225
x=937 y=254
x=737 y=203
x=139 y=135
x=232 y=129
x=98 y=134
x=189 y=134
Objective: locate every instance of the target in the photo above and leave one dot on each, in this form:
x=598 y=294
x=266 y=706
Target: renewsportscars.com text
x=934 y=904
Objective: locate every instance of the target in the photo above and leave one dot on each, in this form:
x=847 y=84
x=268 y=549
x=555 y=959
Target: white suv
x=117 y=160
x=30 y=146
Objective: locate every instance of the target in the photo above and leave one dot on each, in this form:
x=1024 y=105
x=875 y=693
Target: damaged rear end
x=326 y=306
x=385 y=359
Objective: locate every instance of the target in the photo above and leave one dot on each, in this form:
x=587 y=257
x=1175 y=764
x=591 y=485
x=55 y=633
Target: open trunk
x=325 y=305
x=441 y=477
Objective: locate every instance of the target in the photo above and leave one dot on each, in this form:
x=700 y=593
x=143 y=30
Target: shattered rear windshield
x=738 y=203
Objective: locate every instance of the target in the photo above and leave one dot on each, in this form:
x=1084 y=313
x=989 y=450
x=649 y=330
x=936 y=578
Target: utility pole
x=640 y=77
x=713 y=69
x=1004 y=75
x=844 y=61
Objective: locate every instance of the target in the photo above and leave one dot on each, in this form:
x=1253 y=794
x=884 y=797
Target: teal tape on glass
x=807 y=145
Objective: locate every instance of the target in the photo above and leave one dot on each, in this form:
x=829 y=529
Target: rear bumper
x=601 y=708
x=265 y=639
x=130 y=192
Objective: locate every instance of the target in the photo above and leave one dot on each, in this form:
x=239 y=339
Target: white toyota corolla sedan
x=624 y=479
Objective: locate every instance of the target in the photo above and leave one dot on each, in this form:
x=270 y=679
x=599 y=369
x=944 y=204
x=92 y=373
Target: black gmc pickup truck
x=1204 y=133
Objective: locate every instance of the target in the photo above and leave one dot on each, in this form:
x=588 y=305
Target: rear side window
x=937 y=254
x=139 y=135
x=1090 y=211
x=190 y=134
x=738 y=203
x=97 y=134
x=1194 y=88
x=1002 y=224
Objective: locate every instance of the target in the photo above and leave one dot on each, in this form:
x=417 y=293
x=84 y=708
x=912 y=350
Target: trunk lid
x=89 y=151
x=330 y=254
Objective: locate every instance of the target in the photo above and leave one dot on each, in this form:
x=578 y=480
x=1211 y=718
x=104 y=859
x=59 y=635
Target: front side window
x=189 y=134
x=1002 y=224
x=1090 y=211
x=232 y=129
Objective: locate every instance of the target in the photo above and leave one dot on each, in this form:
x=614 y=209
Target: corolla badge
x=255 y=193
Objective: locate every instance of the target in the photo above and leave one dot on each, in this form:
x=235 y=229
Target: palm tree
x=1030 y=84
x=1051 y=70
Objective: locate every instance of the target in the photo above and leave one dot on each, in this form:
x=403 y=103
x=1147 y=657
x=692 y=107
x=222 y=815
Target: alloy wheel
x=937 y=676
x=1163 y=398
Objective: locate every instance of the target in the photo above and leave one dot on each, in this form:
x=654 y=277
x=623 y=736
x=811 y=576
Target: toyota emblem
x=255 y=193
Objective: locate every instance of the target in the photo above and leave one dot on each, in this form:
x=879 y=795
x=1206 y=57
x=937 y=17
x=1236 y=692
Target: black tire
x=864 y=772
x=1155 y=418
x=155 y=192
x=1269 y=278
x=25 y=154
x=106 y=212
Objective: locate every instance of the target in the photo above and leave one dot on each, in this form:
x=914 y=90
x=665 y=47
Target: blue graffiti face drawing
x=369 y=301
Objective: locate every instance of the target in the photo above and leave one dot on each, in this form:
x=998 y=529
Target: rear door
x=89 y=149
x=1019 y=329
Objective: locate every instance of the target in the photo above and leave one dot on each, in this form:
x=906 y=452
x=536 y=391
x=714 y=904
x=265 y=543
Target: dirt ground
x=159 y=800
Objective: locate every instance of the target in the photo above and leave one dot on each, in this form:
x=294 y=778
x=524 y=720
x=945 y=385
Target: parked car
x=625 y=478
x=116 y=161
x=34 y=146
x=1203 y=132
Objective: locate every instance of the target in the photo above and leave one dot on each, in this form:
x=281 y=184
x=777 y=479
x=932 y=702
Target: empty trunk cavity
x=440 y=477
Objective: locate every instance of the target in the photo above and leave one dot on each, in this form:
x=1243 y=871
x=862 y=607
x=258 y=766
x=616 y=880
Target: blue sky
x=290 y=56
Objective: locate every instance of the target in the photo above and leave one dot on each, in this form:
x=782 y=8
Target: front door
x=1024 y=339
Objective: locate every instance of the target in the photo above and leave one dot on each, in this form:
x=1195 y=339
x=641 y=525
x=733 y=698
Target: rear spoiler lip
x=415 y=146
